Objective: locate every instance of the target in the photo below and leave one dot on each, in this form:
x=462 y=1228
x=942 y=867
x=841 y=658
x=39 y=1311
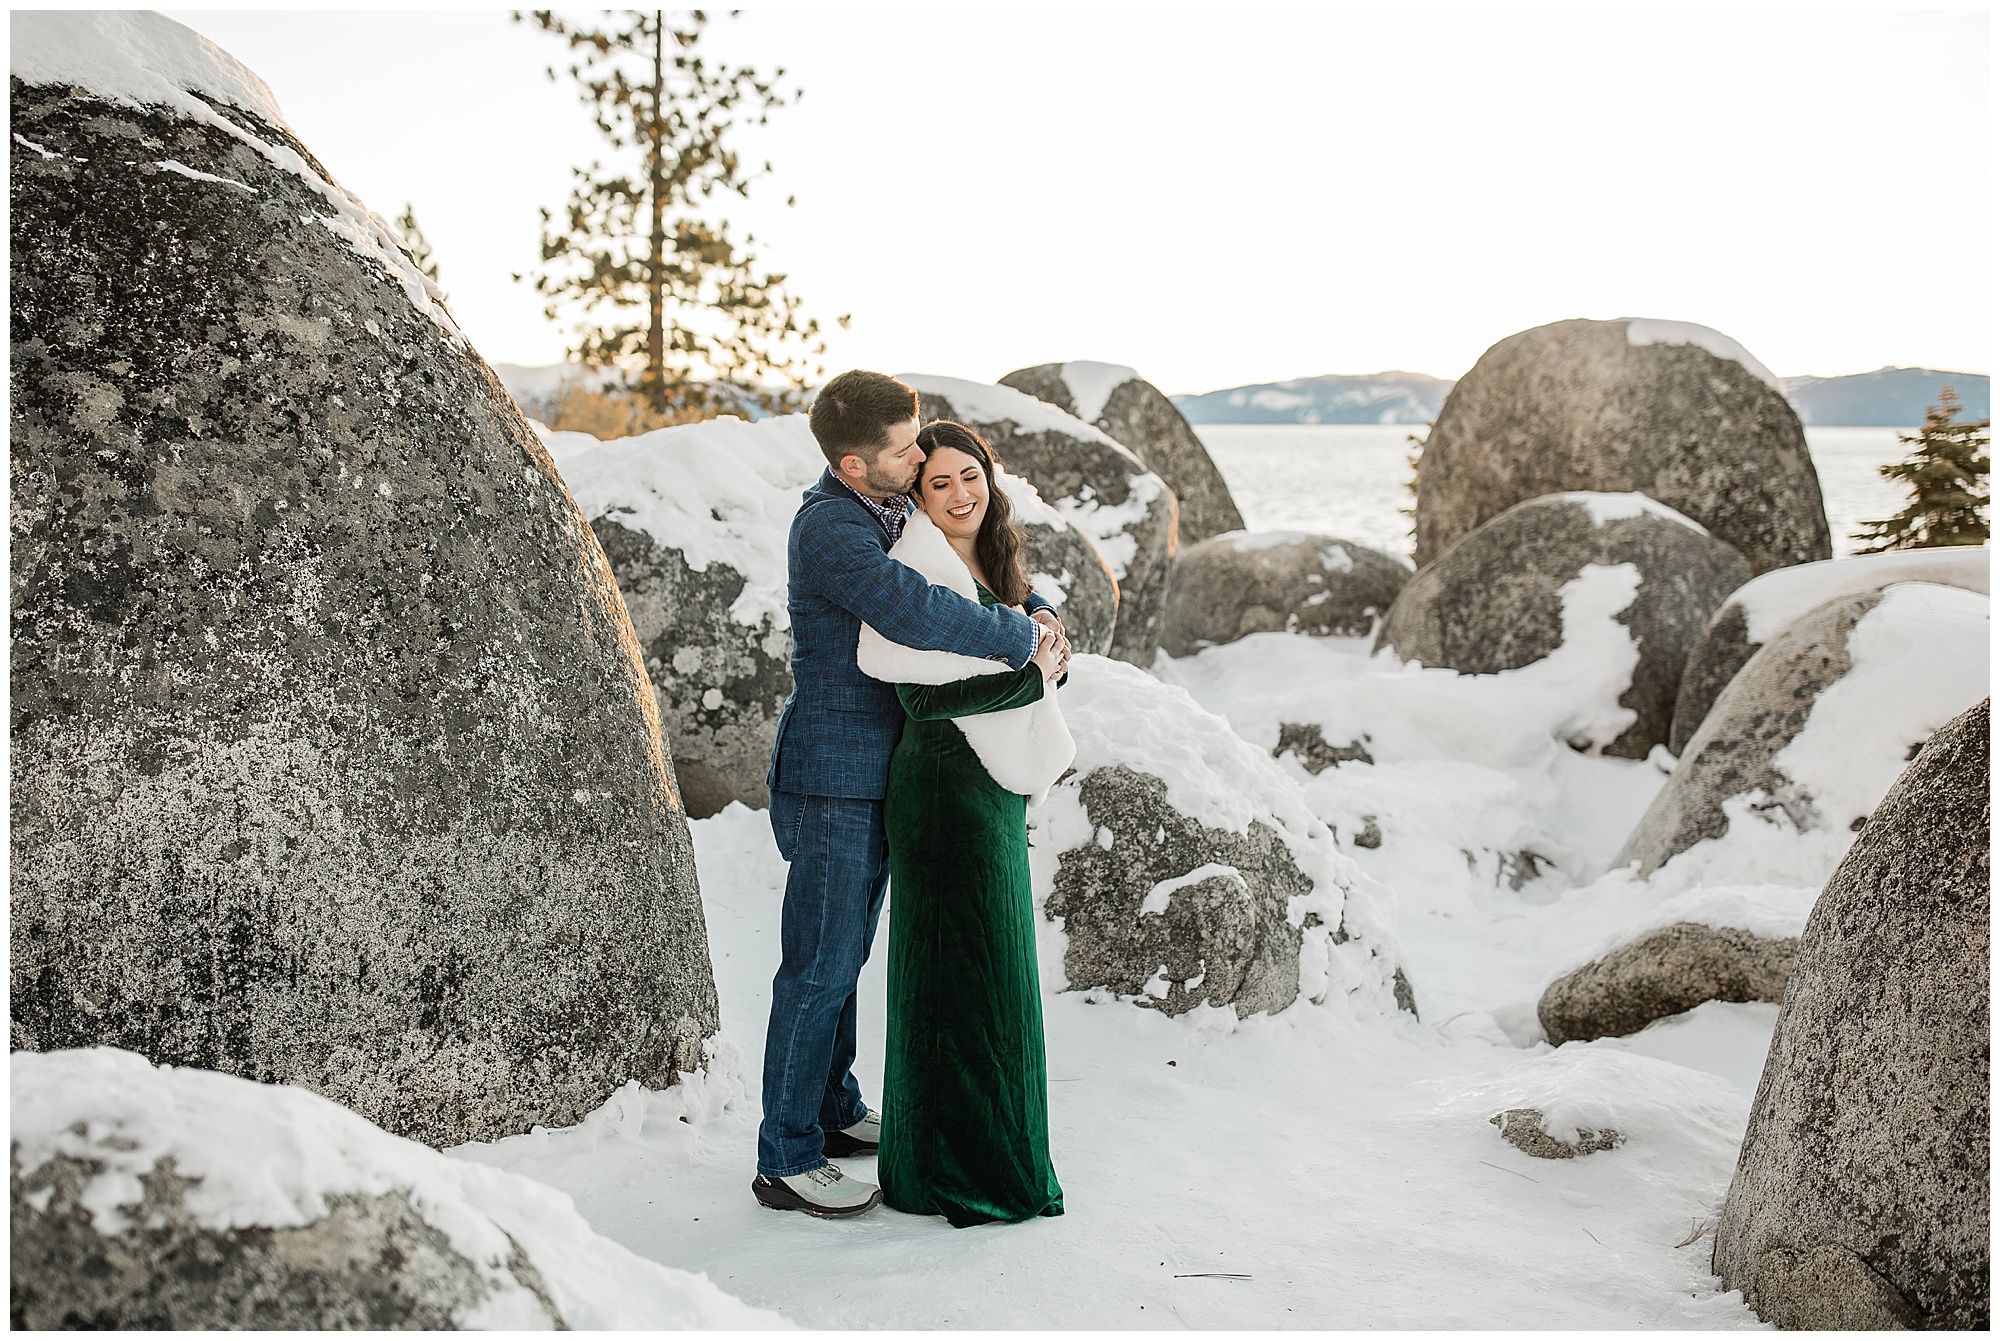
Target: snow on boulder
x=1861 y=1197
x=1722 y=943
x=1137 y=414
x=1761 y=607
x=1276 y=582
x=1185 y=868
x=1101 y=488
x=334 y=761
x=1812 y=731
x=177 y=1199
x=1493 y=601
x=695 y=520
x=1672 y=410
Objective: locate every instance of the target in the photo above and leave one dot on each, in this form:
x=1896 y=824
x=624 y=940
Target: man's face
x=894 y=470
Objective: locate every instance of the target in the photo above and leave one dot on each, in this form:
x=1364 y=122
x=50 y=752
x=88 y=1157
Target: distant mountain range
x=1369 y=398
x=1887 y=397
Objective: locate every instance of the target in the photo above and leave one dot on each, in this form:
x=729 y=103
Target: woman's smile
x=952 y=488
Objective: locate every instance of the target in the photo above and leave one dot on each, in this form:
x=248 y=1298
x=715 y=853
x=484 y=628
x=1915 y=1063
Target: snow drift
x=248 y=1157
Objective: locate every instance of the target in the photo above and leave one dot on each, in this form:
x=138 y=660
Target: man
x=830 y=770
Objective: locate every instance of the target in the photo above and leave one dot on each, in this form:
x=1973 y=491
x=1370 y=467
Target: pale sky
x=1222 y=198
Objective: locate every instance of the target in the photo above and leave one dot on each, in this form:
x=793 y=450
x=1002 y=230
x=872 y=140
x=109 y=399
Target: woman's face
x=951 y=489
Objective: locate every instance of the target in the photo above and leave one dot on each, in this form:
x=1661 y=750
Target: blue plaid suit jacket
x=839 y=727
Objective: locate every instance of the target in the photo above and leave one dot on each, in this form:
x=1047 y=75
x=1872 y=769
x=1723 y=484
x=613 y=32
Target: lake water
x=1353 y=480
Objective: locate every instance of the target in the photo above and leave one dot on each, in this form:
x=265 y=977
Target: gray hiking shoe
x=825 y=1192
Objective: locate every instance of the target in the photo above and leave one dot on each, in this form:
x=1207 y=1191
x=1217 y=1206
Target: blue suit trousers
x=839 y=854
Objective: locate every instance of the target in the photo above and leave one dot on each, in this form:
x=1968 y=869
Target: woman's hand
x=1051 y=653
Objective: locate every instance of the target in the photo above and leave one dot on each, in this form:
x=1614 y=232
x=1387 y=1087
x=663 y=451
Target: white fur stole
x=1024 y=749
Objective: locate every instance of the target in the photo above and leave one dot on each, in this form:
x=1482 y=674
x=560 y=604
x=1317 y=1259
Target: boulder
x=1307 y=742
x=1495 y=600
x=1663 y=972
x=1065 y=568
x=1861 y=1193
x=1816 y=726
x=1675 y=411
x=695 y=520
x=1276 y=581
x=334 y=760
x=1186 y=870
x=1753 y=615
x=1102 y=489
x=1526 y=1129
x=1135 y=413
x=176 y=1200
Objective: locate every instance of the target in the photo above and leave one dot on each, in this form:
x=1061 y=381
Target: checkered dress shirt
x=892 y=514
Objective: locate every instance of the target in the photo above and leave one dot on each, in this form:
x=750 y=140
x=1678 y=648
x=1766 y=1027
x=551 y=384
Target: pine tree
x=1413 y=457
x=666 y=292
x=418 y=245
x=1946 y=472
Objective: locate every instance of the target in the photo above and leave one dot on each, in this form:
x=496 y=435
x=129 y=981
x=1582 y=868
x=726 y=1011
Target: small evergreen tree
x=1946 y=472
x=665 y=292
x=418 y=245
x=1413 y=458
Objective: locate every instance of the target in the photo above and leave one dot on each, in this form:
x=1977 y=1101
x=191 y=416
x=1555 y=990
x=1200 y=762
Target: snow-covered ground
x=1323 y=1167
x=1327 y=1166
x=1346 y=1171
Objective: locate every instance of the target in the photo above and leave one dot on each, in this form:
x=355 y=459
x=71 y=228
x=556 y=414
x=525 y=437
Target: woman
x=965 y=1093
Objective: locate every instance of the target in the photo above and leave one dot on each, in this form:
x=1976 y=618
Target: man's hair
x=855 y=411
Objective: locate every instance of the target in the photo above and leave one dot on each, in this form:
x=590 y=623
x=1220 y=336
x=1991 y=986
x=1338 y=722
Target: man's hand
x=1049 y=618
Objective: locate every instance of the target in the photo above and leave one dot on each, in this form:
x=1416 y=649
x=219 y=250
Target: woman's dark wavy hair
x=999 y=541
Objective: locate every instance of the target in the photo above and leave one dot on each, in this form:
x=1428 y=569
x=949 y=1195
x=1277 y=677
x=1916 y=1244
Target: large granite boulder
x=1186 y=870
x=1861 y=1196
x=1758 y=609
x=334 y=760
x=179 y=1200
x=1495 y=600
x=1276 y=581
x=1817 y=725
x=1102 y=489
x=1137 y=414
x=1675 y=411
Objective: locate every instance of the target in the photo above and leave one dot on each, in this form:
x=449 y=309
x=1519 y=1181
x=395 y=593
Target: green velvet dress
x=965 y=1122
